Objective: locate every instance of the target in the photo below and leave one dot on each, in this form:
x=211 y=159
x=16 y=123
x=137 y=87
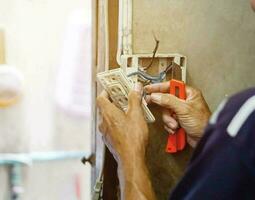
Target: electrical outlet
x=131 y=63
x=118 y=86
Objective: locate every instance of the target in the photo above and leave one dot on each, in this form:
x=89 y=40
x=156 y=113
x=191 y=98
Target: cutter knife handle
x=177 y=141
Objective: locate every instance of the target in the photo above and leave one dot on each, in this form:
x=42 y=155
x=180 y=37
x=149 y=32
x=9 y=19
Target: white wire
x=120 y=33
x=124 y=29
x=129 y=25
x=106 y=23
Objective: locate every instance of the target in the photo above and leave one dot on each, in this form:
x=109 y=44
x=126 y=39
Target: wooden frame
x=157 y=141
x=98 y=65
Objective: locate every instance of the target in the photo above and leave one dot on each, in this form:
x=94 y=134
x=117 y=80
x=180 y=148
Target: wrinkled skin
x=192 y=114
x=253 y=4
x=126 y=134
x=123 y=131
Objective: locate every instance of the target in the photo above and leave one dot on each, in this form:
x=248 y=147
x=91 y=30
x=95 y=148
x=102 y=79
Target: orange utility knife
x=177 y=141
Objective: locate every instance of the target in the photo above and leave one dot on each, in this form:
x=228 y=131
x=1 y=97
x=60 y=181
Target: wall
x=34 y=36
x=216 y=36
x=218 y=39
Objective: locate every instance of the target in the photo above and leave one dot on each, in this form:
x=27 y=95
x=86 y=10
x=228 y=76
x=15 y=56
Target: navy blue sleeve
x=223 y=164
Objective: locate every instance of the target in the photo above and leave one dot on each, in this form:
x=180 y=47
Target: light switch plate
x=118 y=86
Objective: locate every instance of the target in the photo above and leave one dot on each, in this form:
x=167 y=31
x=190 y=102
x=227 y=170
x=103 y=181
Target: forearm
x=135 y=180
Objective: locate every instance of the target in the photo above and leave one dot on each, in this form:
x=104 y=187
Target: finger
x=134 y=100
x=103 y=128
x=189 y=91
x=169 y=130
x=169 y=120
x=169 y=126
x=191 y=142
x=103 y=125
x=138 y=88
x=192 y=92
x=148 y=99
x=168 y=101
x=109 y=112
x=104 y=104
x=158 y=88
x=167 y=113
x=105 y=94
x=165 y=88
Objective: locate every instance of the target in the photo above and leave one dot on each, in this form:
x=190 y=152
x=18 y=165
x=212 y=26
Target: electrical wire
x=154 y=53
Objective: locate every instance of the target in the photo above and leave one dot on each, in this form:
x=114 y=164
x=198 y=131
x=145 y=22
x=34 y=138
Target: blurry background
x=48 y=41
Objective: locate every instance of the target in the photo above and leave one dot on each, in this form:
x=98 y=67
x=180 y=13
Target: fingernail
x=138 y=88
x=156 y=97
x=147 y=88
x=170 y=124
x=148 y=98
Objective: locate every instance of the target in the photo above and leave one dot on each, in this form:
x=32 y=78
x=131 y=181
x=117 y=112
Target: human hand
x=125 y=134
x=192 y=114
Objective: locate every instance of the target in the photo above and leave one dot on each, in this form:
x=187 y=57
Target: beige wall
x=216 y=36
x=34 y=35
x=218 y=39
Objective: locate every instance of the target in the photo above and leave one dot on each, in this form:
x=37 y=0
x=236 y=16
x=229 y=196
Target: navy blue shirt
x=223 y=164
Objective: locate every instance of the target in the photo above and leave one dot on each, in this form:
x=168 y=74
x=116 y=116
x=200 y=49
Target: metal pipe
x=15 y=162
x=16 y=182
x=30 y=158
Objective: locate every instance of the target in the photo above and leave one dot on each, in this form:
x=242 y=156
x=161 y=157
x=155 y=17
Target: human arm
x=192 y=114
x=126 y=136
x=222 y=167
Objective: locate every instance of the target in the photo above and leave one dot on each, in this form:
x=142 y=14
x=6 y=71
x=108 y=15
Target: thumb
x=134 y=99
x=168 y=101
